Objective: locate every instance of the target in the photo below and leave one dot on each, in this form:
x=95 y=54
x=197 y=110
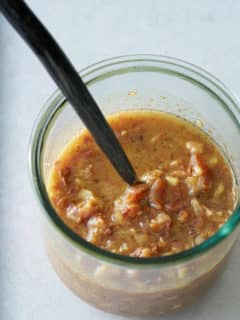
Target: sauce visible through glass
x=187 y=194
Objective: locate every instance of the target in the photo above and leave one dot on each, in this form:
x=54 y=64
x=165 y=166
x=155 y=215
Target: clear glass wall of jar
x=120 y=284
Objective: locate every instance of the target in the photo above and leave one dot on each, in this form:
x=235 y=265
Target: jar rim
x=47 y=114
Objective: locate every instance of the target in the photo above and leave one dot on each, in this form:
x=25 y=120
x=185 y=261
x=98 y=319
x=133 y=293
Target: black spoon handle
x=66 y=77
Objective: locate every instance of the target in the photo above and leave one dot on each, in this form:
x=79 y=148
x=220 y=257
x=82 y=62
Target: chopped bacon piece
x=65 y=174
x=198 y=184
x=131 y=210
x=137 y=192
x=205 y=182
x=86 y=207
x=197 y=166
x=201 y=179
x=157 y=193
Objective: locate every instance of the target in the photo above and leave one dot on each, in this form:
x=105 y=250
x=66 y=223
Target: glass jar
x=120 y=284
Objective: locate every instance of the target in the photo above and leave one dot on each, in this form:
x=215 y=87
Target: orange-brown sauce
x=187 y=194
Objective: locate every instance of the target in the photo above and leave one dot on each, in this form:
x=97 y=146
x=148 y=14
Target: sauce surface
x=187 y=194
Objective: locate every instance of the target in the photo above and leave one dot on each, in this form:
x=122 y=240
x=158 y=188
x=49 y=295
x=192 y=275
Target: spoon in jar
x=20 y=16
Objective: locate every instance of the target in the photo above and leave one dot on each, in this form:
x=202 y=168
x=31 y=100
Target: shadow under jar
x=112 y=282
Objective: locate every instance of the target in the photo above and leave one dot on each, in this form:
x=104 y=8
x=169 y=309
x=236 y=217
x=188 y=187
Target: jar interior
x=146 y=84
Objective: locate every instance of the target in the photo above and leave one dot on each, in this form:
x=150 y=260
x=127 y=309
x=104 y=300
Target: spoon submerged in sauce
x=70 y=83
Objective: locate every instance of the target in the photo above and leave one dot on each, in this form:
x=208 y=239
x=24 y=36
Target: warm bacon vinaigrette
x=186 y=196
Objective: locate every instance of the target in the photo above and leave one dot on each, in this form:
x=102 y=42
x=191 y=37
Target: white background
x=203 y=32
